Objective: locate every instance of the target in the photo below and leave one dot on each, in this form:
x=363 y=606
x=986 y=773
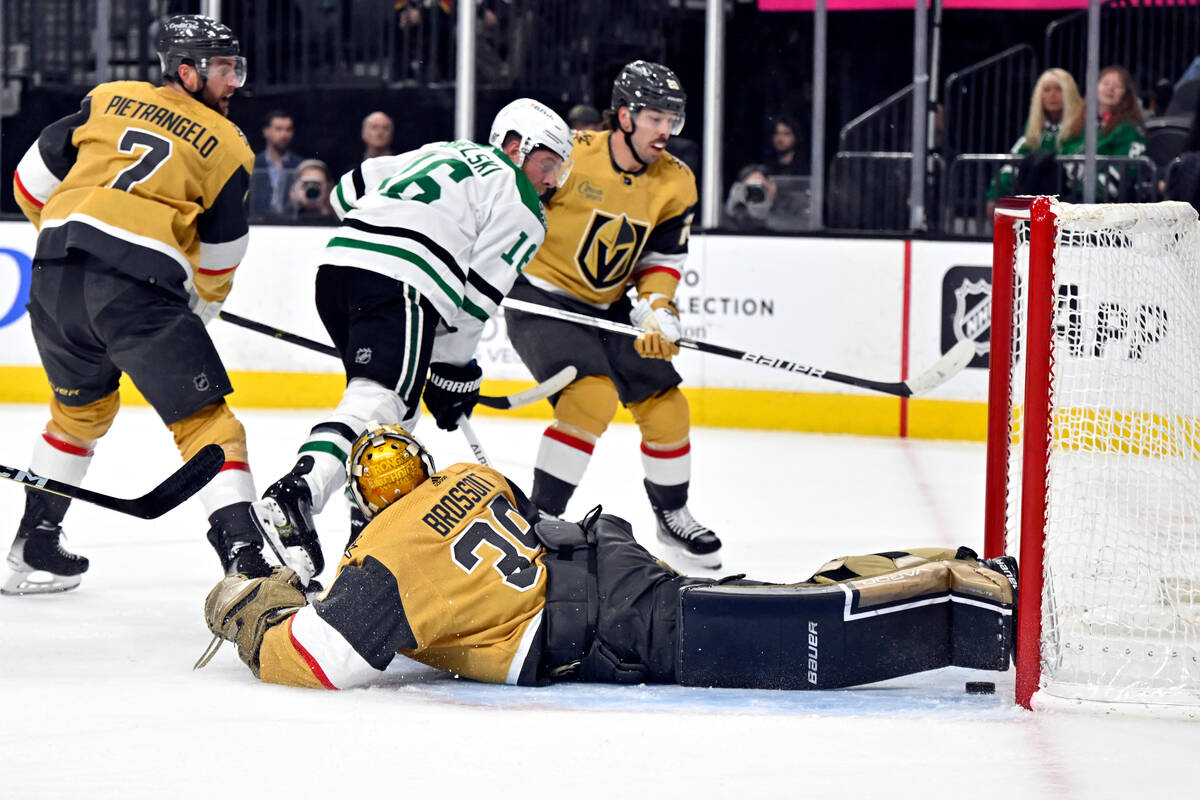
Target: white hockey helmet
x=537 y=126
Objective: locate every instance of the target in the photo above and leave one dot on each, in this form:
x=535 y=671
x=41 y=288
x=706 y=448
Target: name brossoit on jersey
x=457 y=221
x=610 y=228
x=148 y=179
x=471 y=603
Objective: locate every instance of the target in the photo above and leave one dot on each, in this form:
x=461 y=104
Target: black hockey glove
x=452 y=392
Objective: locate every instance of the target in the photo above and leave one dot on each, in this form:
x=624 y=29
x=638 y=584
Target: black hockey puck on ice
x=981 y=687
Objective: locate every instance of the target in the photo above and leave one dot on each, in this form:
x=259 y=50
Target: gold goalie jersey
x=147 y=179
x=608 y=228
x=451 y=576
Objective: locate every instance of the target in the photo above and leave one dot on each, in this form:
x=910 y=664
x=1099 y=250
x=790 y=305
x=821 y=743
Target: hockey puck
x=981 y=687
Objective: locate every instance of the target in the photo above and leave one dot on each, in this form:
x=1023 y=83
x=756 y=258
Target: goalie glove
x=655 y=314
x=241 y=609
x=452 y=392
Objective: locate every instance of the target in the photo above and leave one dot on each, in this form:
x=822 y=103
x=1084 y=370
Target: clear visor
x=231 y=68
x=656 y=118
x=564 y=171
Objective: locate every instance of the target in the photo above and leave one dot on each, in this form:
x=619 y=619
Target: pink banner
x=894 y=5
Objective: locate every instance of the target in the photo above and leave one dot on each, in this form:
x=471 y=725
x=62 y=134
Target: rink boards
x=884 y=309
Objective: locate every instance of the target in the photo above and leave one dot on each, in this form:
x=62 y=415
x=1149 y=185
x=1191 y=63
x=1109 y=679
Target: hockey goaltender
x=452 y=572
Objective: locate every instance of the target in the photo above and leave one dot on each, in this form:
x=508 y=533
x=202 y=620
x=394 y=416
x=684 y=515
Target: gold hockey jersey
x=451 y=576
x=608 y=228
x=146 y=178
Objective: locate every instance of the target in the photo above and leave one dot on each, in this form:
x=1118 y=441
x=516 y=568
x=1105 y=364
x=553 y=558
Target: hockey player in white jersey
x=430 y=243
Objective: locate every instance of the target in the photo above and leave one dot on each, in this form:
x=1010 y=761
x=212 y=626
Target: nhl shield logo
x=201 y=382
x=973 y=313
x=362 y=355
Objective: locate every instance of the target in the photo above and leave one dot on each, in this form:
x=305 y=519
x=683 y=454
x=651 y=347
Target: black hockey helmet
x=194 y=39
x=644 y=83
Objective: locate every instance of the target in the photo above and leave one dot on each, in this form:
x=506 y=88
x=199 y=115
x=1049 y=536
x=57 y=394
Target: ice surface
x=99 y=699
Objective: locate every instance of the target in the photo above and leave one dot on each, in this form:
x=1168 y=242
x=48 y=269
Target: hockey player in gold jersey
x=139 y=203
x=621 y=222
x=453 y=571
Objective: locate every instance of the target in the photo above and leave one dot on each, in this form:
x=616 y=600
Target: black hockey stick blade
x=179 y=486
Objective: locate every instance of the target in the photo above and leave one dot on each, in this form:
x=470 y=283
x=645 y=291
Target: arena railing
x=987 y=102
x=884 y=127
x=965 y=210
x=1153 y=39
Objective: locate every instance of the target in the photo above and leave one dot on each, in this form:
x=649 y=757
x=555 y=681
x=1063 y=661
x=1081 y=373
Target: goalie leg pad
x=845 y=634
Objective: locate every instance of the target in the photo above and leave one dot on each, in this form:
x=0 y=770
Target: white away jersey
x=457 y=221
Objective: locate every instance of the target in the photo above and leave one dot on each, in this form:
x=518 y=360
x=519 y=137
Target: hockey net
x=1094 y=450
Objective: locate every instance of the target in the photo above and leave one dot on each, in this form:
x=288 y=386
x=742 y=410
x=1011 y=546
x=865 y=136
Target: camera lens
x=312 y=190
x=755 y=194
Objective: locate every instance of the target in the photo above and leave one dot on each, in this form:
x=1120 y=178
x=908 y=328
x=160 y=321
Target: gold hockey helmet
x=386 y=463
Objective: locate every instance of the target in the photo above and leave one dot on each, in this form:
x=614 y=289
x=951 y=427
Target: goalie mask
x=195 y=40
x=386 y=463
x=537 y=126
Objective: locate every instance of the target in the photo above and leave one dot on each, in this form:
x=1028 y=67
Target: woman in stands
x=1121 y=133
x=1055 y=99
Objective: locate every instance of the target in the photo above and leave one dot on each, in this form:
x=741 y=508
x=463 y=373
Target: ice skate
x=39 y=563
x=284 y=517
x=678 y=529
x=237 y=541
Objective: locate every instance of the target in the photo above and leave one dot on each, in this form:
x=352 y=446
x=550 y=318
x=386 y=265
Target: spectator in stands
x=1055 y=117
x=274 y=166
x=585 y=118
x=783 y=158
x=377 y=132
x=750 y=198
x=1121 y=133
x=310 y=191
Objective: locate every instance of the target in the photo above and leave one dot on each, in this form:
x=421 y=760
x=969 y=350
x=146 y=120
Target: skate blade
x=38 y=582
x=706 y=560
x=269 y=518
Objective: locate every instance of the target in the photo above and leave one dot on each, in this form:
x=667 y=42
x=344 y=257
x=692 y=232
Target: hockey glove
x=656 y=315
x=241 y=609
x=452 y=392
x=206 y=310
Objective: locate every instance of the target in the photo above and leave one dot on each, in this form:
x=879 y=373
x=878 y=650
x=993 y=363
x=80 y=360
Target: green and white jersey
x=457 y=221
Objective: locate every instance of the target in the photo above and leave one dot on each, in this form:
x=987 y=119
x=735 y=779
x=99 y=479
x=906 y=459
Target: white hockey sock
x=233 y=484
x=668 y=467
x=59 y=459
x=564 y=456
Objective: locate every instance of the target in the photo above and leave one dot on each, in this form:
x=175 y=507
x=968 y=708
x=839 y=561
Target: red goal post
x=1093 y=464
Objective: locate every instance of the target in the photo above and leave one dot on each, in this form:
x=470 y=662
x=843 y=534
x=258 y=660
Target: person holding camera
x=750 y=199
x=310 y=191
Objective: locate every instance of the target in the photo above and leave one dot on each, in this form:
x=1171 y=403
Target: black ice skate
x=237 y=541
x=40 y=564
x=679 y=529
x=284 y=516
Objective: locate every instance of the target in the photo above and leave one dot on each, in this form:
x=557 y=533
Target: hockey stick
x=552 y=385
x=951 y=363
x=476 y=446
x=179 y=486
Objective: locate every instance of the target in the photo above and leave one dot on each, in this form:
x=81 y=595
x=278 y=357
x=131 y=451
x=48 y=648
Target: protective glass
x=656 y=118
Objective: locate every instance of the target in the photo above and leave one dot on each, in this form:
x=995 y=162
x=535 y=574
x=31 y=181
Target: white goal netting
x=1121 y=591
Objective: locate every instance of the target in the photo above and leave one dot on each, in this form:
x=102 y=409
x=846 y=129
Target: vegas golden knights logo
x=610 y=248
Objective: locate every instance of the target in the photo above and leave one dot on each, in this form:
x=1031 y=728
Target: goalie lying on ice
x=451 y=572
